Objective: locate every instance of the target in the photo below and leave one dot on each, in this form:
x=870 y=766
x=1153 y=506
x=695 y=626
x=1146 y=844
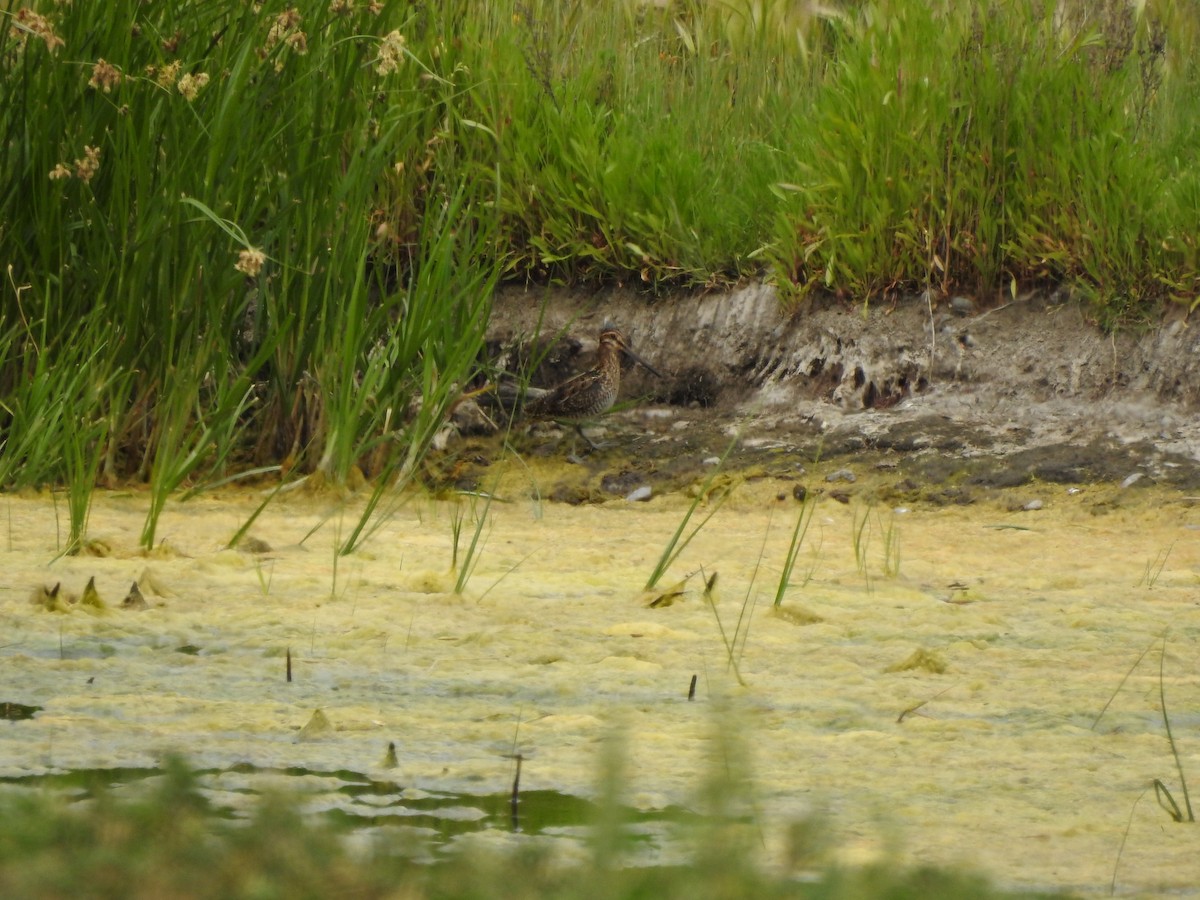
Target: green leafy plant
x=171 y=839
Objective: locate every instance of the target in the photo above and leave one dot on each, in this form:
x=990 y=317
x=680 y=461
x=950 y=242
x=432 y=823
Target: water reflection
x=359 y=801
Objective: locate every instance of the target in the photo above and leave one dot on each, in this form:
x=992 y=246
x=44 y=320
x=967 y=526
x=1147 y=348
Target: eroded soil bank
x=1009 y=394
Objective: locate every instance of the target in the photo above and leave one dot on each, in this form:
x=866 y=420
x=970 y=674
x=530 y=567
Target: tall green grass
x=275 y=226
x=870 y=149
x=982 y=145
x=231 y=240
x=631 y=142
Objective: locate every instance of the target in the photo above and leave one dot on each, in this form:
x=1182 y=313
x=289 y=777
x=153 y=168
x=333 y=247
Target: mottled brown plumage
x=591 y=393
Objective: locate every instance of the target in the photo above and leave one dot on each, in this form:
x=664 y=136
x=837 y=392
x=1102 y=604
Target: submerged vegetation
x=262 y=238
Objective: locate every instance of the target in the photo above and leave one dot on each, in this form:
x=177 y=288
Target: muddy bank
x=937 y=402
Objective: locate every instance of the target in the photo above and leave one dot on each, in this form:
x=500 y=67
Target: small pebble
x=800 y=492
x=712 y=461
x=841 y=475
x=642 y=493
x=963 y=306
x=1032 y=505
x=250 y=544
x=1132 y=479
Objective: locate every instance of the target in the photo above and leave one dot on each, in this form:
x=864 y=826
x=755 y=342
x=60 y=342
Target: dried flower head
x=84 y=168
x=27 y=22
x=88 y=166
x=297 y=42
x=250 y=262
x=105 y=76
x=341 y=7
x=190 y=85
x=285 y=30
x=391 y=53
x=164 y=76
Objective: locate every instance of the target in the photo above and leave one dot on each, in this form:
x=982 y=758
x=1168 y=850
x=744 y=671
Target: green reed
x=1154 y=567
x=1162 y=792
x=83 y=446
x=979 y=145
x=258 y=258
x=803 y=520
x=56 y=430
x=678 y=541
x=863 y=530
x=860 y=539
x=470 y=555
x=648 y=154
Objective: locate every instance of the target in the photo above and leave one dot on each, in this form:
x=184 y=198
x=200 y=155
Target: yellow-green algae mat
x=930 y=686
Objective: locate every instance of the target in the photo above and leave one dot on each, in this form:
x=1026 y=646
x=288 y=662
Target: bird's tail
x=515 y=396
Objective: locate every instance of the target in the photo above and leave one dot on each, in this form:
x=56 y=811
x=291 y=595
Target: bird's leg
x=590 y=442
x=572 y=457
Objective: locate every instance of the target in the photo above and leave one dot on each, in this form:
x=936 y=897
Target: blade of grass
x=803 y=518
x=1162 y=698
x=676 y=544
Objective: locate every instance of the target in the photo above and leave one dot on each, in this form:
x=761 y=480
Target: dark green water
x=356 y=801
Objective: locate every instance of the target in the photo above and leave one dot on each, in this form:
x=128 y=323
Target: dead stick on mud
x=913 y=709
x=516 y=795
x=692 y=689
x=289 y=665
x=516 y=788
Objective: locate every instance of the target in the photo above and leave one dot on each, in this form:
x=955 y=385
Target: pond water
x=929 y=689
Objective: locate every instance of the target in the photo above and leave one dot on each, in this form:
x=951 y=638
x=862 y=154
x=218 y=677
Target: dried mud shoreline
x=903 y=403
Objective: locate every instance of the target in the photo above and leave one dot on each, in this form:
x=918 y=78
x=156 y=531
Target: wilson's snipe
x=589 y=393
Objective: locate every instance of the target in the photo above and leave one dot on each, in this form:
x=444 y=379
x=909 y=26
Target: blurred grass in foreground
x=169 y=843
